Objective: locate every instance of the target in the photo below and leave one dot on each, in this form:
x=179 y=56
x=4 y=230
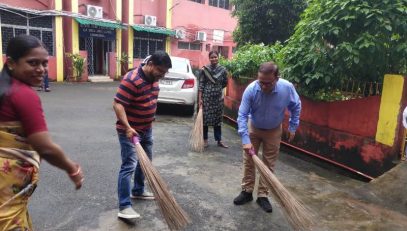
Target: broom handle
x=136 y=139
x=252 y=152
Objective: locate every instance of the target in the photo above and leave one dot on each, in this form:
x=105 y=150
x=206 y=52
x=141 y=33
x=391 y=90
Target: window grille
x=220 y=3
x=13 y=24
x=147 y=43
x=189 y=46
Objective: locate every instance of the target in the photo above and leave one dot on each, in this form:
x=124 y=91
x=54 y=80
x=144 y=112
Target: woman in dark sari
x=212 y=80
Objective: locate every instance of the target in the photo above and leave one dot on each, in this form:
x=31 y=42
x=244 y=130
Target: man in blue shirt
x=261 y=114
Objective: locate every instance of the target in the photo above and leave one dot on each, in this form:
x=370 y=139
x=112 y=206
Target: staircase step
x=99 y=79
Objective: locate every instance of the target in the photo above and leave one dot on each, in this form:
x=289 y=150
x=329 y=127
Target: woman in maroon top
x=23 y=132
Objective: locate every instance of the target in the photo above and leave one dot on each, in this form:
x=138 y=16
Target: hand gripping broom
x=296 y=213
x=173 y=214
x=196 y=140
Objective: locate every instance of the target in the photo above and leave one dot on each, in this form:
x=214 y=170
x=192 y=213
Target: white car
x=179 y=86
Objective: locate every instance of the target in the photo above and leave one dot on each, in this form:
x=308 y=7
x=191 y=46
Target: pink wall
x=147 y=7
x=193 y=17
x=108 y=12
x=52 y=68
x=342 y=132
x=344 y=115
x=38 y=5
x=112 y=65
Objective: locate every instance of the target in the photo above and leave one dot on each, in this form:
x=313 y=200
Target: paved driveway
x=81 y=120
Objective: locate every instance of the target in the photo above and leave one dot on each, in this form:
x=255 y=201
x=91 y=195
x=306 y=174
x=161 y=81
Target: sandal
x=221 y=144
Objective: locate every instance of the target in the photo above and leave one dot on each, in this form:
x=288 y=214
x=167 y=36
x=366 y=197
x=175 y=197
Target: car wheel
x=190 y=110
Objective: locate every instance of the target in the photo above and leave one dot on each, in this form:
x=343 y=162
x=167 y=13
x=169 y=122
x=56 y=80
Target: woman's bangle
x=75 y=173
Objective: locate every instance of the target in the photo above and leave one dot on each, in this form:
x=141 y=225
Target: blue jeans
x=46 y=82
x=130 y=165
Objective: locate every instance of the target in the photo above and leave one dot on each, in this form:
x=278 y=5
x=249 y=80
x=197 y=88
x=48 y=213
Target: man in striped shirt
x=135 y=105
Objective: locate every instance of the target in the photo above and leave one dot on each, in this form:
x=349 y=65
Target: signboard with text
x=97 y=32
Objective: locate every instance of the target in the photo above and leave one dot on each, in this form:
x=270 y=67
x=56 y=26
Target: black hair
x=268 y=68
x=213 y=52
x=17 y=48
x=161 y=58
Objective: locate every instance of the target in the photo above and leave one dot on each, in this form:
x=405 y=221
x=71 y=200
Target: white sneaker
x=145 y=196
x=128 y=213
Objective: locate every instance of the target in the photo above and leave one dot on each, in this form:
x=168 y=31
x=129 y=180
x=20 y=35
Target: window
x=146 y=43
x=220 y=3
x=198 y=1
x=13 y=24
x=189 y=46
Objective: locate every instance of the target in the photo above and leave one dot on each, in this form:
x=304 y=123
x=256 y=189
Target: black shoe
x=243 y=198
x=264 y=204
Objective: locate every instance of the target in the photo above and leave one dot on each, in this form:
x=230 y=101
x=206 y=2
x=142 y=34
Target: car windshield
x=179 y=66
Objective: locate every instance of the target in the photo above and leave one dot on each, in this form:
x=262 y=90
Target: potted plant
x=124 y=60
x=78 y=65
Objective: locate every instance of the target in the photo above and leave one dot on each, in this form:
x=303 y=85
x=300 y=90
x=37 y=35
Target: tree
x=266 y=21
x=346 y=40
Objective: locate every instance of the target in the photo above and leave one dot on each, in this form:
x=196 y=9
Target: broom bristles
x=196 y=141
x=173 y=214
x=297 y=214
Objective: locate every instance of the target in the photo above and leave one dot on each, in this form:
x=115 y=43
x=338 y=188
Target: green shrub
x=346 y=40
x=247 y=58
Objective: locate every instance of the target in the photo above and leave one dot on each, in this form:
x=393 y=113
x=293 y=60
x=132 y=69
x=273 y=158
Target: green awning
x=113 y=25
x=151 y=29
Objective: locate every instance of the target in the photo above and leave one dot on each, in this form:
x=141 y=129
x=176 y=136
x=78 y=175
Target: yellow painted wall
x=130 y=47
x=118 y=38
x=130 y=34
x=118 y=51
x=389 y=109
x=59 y=43
x=169 y=26
x=75 y=29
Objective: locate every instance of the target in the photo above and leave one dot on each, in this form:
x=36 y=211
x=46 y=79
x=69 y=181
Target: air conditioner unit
x=200 y=36
x=180 y=34
x=94 y=11
x=150 y=20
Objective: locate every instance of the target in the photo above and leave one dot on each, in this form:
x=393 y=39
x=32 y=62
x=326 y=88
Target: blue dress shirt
x=266 y=110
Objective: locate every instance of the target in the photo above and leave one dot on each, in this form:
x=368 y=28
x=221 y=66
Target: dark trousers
x=217 y=132
x=46 y=82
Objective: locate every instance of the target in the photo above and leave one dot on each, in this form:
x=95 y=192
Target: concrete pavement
x=81 y=120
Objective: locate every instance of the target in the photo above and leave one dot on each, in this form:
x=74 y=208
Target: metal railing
x=359 y=89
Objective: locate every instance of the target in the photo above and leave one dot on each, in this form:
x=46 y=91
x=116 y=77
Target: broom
x=196 y=140
x=296 y=213
x=173 y=214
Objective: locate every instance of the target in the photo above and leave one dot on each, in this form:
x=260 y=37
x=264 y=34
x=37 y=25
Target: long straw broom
x=173 y=214
x=296 y=213
x=196 y=140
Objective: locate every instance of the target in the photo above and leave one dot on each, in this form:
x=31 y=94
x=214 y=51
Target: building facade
x=115 y=35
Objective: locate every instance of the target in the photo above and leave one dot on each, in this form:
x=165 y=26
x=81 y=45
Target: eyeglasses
x=266 y=84
x=161 y=71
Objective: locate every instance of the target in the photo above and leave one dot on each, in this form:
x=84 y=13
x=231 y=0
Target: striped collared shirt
x=139 y=99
